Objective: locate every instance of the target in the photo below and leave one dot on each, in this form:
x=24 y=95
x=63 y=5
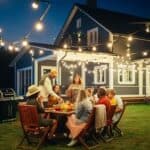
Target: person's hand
x=60 y=100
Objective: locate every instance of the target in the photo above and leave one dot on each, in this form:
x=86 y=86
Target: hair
x=112 y=91
x=82 y=95
x=90 y=90
x=80 y=81
x=101 y=92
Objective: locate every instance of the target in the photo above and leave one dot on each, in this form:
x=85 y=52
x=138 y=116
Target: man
x=46 y=85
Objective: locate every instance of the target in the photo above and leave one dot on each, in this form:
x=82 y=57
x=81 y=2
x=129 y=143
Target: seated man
x=33 y=98
x=115 y=100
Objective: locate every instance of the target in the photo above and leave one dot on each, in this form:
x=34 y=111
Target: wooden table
x=58 y=112
x=61 y=117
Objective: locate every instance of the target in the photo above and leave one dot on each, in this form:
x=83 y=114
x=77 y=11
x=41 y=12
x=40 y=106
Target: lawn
x=135 y=125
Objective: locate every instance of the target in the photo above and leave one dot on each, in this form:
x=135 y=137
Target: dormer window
x=78 y=23
x=92 y=36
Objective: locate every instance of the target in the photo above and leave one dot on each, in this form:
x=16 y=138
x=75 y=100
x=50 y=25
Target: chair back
x=122 y=112
x=90 y=123
x=28 y=117
x=110 y=114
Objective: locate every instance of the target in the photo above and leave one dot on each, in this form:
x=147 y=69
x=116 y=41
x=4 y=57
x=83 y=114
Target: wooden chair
x=30 y=125
x=115 y=125
x=88 y=134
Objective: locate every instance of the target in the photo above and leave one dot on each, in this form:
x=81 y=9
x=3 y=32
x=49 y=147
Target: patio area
x=134 y=124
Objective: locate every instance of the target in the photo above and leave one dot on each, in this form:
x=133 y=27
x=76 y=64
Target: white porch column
x=140 y=82
x=83 y=74
x=35 y=72
x=111 y=74
x=58 y=66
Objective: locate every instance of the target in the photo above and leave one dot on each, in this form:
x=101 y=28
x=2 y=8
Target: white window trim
x=133 y=75
x=88 y=36
x=78 y=23
x=46 y=67
x=18 y=76
x=95 y=74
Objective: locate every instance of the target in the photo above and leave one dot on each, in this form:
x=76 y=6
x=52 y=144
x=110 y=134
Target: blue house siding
x=86 y=24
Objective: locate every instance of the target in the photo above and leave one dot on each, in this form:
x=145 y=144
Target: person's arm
x=119 y=104
x=49 y=88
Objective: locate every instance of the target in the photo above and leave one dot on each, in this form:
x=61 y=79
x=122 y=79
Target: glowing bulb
x=35 y=5
x=2 y=43
x=25 y=42
x=31 y=52
x=109 y=45
x=94 y=48
x=128 y=55
x=16 y=49
x=65 y=46
x=41 y=52
x=10 y=47
x=39 y=26
x=130 y=38
x=145 y=53
x=80 y=49
x=147 y=29
x=1 y=30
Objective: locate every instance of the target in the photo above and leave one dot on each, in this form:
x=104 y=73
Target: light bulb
x=25 y=42
x=35 y=5
x=39 y=26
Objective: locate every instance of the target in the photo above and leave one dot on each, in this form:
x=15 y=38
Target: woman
x=74 y=88
x=33 y=98
x=77 y=121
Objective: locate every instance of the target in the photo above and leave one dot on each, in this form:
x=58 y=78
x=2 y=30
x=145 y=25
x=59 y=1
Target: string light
x=80 y=49
x=147 y=28
x=35 y=5
x=145 y=53
x=41 y=52
x=94 y=48
x=39 y=26
x=16 y=49
x=65 y=46
x=130 y=38
x=2 y=43
x=10 y=47
x=25 y=42
x=109 y=44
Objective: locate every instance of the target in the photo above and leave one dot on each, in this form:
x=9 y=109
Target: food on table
x=64 y=107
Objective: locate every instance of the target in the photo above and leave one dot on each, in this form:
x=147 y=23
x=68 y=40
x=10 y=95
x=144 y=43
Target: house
x=106 y=48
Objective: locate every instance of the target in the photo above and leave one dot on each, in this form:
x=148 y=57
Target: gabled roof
x=32 y=45
x=114 y=22
x=118 y=22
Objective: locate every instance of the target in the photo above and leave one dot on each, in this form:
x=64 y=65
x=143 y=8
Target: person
x=103 y=99
x=46 y=86
x=74 y=88
x=77 y=121
x=57 y=89
x=89 y=93
x=115 y=100
x=33 y=98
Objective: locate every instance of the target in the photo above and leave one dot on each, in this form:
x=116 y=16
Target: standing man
x=46 y=86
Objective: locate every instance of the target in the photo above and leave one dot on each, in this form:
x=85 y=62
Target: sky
x=17 y=17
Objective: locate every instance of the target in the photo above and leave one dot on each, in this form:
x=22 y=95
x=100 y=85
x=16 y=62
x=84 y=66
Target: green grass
x=135 y=125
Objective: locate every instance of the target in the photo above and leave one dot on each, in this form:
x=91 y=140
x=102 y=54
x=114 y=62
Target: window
x=100 y=74
x=24 y=79
x=46 y=69
x=92 y=36
x=126 y=74
x=78 y=23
